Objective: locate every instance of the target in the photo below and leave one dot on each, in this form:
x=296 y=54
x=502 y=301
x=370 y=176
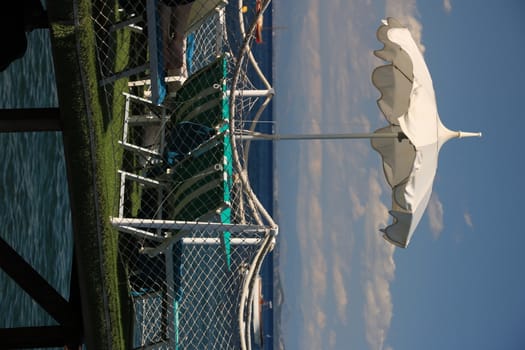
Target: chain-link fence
x=181 y=86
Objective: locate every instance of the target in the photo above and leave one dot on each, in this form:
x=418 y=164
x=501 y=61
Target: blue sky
x=460 y=284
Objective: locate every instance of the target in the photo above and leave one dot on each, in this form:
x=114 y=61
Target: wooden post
x=30 y=119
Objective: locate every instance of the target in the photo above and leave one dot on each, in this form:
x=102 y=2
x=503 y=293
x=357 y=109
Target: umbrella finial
x=446 y=134
x=462 y=134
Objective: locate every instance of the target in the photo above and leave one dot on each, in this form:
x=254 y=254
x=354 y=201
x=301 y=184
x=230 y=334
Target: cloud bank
x=322 y=276
x=340 y=188
x=379 y=268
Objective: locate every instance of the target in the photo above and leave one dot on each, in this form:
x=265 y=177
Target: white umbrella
x=410 y=144
x=409 y=105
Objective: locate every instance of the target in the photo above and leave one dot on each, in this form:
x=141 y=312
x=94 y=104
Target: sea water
x=34 y=204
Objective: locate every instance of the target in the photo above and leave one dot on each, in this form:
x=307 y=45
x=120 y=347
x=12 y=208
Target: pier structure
x=67 y=313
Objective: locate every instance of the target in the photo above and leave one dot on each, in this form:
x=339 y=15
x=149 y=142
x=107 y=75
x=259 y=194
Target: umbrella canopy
x=409 y=105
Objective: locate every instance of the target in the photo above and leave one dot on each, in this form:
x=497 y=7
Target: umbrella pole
x=278 y=137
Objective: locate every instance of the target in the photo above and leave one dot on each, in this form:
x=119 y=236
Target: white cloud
x=435 y=215
x=358 y=209
x=340 y=291
x=447 y=5
x=468 y=219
